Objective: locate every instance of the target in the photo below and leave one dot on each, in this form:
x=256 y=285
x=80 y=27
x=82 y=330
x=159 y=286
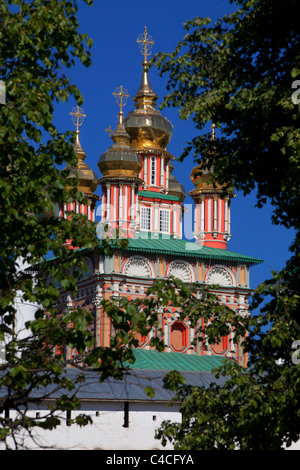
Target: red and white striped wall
x=212 y=220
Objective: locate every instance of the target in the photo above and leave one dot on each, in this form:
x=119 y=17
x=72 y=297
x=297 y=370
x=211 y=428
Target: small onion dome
x=88 y=180
x=120 y=159
x=147 y=128
x=200 y=180
x=176 y=188
x=200 y=176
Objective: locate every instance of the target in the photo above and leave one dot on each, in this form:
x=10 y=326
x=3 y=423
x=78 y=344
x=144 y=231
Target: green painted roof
x=154 y=360
x=177 y=247
x=156 y=194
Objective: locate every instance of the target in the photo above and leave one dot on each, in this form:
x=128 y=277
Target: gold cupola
x=200 y=175
x=88 y=180
x=175 y=187
x=120 y=159
x=147 y=128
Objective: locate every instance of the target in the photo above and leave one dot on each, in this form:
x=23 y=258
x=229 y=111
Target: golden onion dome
x=175 y=188
x=201 y=175
x=147 y=128
x=120 y=159
x=88 y=180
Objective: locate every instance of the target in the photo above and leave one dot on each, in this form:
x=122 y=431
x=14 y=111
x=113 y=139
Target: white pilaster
x=202 y=215
x=167 y=175
x=108 y=202
x=215 y=214
x=226 y=216
x=146 y=169
x=174 y=220
x=120 y=202
x=162 y=171
x=132 y=203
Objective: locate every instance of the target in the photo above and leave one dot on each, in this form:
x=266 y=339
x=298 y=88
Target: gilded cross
x=77 y=117
x=213 y=134
x=145 y=43
x=109 y=130
x=121 y=96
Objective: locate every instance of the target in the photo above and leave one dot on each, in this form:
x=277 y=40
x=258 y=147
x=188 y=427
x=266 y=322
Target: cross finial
x=109 y=130
x=121 y=96
x=77 y=117
x=145 y=43
x=213 y=134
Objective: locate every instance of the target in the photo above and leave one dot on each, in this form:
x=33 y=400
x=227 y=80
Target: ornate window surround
x=184 y=335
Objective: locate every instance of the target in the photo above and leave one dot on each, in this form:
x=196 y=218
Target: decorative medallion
x=181 y=271
x=138 y=267
x=219 y=275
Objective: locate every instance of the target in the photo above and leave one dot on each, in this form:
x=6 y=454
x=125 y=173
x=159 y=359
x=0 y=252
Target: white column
x=113 y=202
x=121 y=202
x=202 y=215
x=132 y=203
x=102 y=207
x=229 y=218
x=226 y=216
x=174 y=220
x=156 y=217
x=209 y=214
x=215 y=214
x=137 y=214
x=167 y=175
x=180 y=215
x=89 y=212
x=162 y=171
x=195 y=217
x=108 y=201
x=125 y=208
x=146 y=169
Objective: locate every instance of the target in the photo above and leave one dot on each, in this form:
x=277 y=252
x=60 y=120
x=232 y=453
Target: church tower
x=212 y=208
x=143 y=202
x=87 y=178
x=161 y=196
x=120 y=167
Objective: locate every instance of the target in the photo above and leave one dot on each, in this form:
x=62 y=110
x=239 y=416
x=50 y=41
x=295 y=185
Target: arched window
x=179 y=336
x=141 y=339
x=221 y=346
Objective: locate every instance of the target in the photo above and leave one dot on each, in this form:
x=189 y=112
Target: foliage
x=39 y=43
x=240 y=74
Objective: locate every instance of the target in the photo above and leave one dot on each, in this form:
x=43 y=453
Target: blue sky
x=114 y=27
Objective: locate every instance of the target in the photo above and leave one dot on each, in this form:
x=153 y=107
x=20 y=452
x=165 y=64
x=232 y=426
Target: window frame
x=144 y=209
x=168 y=221
x=153 y=171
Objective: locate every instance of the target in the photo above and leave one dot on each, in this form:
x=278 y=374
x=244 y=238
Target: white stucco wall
x=107 y=431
